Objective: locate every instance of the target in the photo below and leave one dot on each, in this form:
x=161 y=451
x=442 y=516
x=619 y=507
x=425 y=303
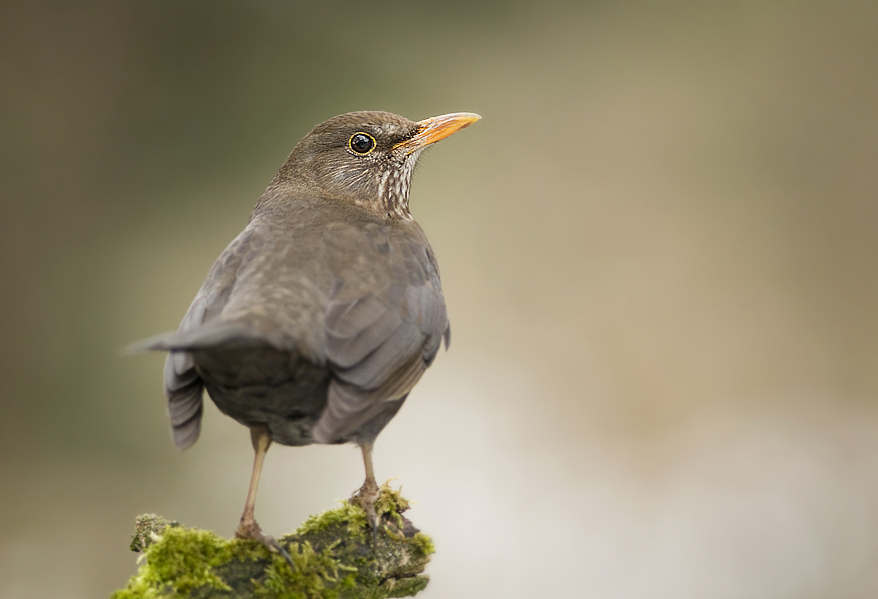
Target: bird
x=319 y=318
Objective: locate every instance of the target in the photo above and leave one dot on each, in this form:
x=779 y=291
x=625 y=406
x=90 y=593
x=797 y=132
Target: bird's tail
x=208 y=336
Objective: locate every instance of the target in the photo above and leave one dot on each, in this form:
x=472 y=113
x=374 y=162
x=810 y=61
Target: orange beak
x=435 y=128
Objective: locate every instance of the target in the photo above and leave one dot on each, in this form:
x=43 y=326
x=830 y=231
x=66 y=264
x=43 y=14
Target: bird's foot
x=249 y=529
x=366 y=498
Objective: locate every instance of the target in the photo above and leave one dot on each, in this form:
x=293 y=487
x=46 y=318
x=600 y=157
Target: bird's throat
x=394 y=185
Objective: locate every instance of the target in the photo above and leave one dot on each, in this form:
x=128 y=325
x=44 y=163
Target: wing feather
x=364 y=339
x=183 y=387
x=381 y=336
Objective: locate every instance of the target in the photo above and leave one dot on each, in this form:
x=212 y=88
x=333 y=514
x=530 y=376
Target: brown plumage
x=319 y=318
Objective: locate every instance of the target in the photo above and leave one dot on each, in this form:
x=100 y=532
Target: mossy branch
x=333 y=554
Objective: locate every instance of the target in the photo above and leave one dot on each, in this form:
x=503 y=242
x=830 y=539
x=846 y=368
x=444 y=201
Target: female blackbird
x=319 y=318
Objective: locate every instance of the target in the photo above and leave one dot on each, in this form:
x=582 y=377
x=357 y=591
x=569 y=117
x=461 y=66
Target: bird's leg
x=248 y=528
x=368 y=493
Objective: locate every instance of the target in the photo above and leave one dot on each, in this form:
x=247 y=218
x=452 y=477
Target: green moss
x=391 y=504
x=349 y=515
x=333 y=555
x=424 y=544
x=180 y=561
x=315 y=575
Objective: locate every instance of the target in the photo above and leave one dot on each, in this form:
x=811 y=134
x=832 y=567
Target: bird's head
x=367 y=157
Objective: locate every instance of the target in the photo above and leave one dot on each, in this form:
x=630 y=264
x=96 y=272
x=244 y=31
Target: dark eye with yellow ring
x=362 y=143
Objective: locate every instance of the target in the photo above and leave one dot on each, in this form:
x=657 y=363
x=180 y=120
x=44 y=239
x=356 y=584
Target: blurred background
x=658 y=249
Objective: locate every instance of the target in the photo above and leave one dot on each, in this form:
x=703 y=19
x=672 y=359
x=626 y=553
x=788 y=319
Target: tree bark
x=333 y=554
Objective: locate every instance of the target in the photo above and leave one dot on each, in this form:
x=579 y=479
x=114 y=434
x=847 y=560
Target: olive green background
x=658 y=250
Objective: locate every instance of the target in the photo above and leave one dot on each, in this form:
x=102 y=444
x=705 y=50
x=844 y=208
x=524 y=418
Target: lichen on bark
x=333 y=554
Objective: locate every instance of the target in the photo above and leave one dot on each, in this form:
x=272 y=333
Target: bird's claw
x=251 y=530
x=273 y=544
x=366 y=498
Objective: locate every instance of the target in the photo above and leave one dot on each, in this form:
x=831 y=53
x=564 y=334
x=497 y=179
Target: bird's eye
x=362 y=143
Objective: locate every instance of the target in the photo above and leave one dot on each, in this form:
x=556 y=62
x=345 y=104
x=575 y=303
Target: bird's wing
x=384 y=324
x=199 y=328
